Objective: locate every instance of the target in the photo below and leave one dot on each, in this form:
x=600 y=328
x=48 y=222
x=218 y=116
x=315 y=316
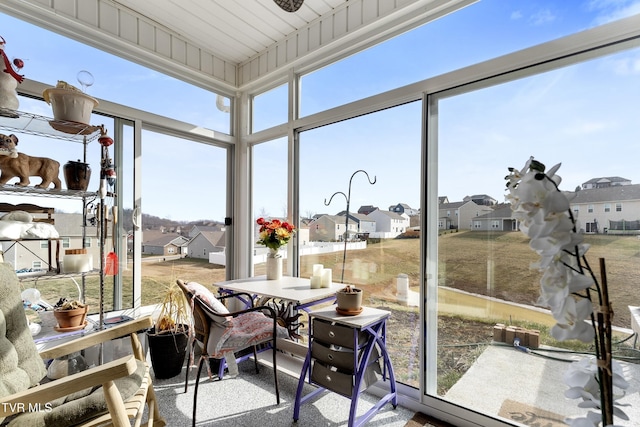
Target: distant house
x=167 y=244
x=367 y=209
x=610 y=181
x=443 y=199
x=389 y=224
x=481 y=199
x=69 y=227
x=330 y=228
x=401 y=208
x=206 y=242
x=614 y=209
x=365 y=224
x=459 y=215
x=449 y=214
x=199 y=228
x=170 y=229
x=499 y=219
x=34 y=254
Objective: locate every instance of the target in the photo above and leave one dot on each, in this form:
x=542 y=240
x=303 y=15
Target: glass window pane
x=485 y=284
x=481 y=31
x=56 y=57
x=269 y=195
x=183 y=210
x=270 y=108
x=382 y=233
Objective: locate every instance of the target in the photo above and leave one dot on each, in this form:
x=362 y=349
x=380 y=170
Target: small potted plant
x=70 y=314
x=349 y=300
x=169 y=336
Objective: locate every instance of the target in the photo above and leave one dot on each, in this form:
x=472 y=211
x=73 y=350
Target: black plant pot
x=167 y=352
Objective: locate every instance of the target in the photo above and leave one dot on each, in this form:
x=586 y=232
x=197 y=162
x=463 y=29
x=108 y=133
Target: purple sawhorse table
x=342 y=350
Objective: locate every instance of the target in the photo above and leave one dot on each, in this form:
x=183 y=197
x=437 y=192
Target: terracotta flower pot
x=349 y=302
x=71 y=318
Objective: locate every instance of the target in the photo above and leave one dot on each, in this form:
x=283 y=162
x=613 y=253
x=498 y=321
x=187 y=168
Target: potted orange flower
x=274 y=234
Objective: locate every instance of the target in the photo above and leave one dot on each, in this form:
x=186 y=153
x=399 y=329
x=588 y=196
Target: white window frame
x=528 y=62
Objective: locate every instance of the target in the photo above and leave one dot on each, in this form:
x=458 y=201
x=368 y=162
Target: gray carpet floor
x=249 y=400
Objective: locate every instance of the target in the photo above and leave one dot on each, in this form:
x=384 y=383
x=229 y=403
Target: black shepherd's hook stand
x=346 y=223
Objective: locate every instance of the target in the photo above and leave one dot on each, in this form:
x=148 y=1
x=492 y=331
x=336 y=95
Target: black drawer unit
x=346 y=355
x=341 y=358
x=337 y=334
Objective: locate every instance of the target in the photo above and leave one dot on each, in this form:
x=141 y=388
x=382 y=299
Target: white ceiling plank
x=227 y=45
x=178 y=49
x=146 y=35
x=108 y=18
x=129 y=28
x=87 y=11
x=68 y=7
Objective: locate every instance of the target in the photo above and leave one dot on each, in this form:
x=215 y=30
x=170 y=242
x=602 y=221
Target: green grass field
x=467 y=261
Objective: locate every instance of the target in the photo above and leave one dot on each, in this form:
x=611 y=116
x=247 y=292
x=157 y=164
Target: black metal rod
x=346 y=222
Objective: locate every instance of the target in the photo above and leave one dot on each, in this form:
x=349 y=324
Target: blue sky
x=575 y=115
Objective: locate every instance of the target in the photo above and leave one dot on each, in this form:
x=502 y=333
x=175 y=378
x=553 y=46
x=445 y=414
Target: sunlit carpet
x=249 y=400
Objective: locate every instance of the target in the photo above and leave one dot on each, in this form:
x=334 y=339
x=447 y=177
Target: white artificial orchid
x=544 y=215
x=582 y=379
x=571 y=318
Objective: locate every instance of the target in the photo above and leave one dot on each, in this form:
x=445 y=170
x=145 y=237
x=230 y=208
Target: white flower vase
x=274 y=265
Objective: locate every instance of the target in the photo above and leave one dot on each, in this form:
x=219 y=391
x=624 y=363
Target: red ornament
x=105 y=140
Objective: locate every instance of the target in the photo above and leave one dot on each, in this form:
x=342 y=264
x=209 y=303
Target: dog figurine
x=14 y=164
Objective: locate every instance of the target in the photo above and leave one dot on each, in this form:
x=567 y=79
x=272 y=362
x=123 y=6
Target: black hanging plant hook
x=346 y=223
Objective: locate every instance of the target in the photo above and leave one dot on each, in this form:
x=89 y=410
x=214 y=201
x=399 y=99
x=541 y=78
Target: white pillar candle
x=316 y=282
x=317 y=269
x=326 y=278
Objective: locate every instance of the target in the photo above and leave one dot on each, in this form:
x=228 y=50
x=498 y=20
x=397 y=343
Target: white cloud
x=542 y=17
x=583 y=127
x=612 y=10
x=629 y=65
x=515 y=15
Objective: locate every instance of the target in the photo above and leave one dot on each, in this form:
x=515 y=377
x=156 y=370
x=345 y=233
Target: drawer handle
x=332 y=334
x=328 y=378
x=330 y=356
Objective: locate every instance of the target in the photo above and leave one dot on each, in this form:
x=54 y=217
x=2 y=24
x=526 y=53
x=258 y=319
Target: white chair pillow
x=22 y=216
x=207 y=296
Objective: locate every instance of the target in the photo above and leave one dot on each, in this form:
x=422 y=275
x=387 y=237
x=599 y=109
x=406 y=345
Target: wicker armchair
x=111 y=394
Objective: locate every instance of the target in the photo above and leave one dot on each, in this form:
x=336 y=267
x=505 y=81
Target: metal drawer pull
x=328 y=378
x=332 y=334
x=330 y=356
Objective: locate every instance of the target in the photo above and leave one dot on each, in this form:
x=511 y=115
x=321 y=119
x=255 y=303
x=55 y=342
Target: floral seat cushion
x=240 y=332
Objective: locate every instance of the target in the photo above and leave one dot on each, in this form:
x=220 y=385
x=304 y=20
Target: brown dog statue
x=14 y=164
